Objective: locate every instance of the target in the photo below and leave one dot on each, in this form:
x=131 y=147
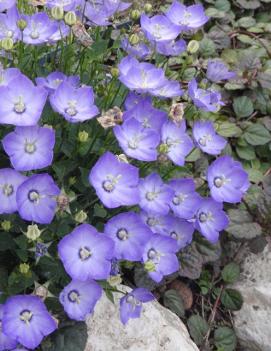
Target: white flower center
x=19 y=105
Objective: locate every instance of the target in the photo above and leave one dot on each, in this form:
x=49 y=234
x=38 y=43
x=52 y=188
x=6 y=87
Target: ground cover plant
x=135 y=149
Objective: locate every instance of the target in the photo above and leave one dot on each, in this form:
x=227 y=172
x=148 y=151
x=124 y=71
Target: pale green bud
x=148 y=7
x=24 y=268
x=21 y=24
x=7 y=44
x=149 y=266
x=33 y=232
x=57 y=13
x=6 y=225
x=83 y=136
x=135 y=15
x=70 y=18
x=81 y=216
x=193 y=46
x=134 y=39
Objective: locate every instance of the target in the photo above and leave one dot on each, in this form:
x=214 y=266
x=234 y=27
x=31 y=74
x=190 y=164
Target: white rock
x=157 y=329
x=252 y=322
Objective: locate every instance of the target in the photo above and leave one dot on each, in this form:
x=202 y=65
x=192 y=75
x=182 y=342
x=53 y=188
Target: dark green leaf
x=174 y=302
x=257 y=134
x=243 y=106
x=232 y=299
x=225 y=339
x=190 y=262
x=242 y=225
x=231 y=273
x=198 y=328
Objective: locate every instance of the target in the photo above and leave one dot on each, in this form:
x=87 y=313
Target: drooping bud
x=81 y=216
x=83 y=136
x=33 y=232
x=57 y=13
x=111 y=118
x=70 y=18
x=193 y=46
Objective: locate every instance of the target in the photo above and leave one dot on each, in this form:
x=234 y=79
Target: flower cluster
x=161 y=212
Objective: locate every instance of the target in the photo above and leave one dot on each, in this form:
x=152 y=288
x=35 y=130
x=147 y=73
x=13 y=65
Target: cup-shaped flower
x=74 y=104
x=139 y=50
x=136 y=141
x=207 y=100
x=39 y=28
x=211 y=219
x=21 y=102
x=159 y=28
x=129 y=233
x=187 y=17
x=218 y=71
x=159 y=257
x=6 y=342
x=185 y=200
x=115 y=182
x=131 y=303
x=30 y=148
x=86 y=254
x=227 y=179
x=141 y=77
x=181 y=231
x=7 y=75
x=155 y=196
x=67 y=5
x=206 y=138
x=54 y=79
x=79 y=298
x=158 y=224
x=168 y=89
x=26 y=319
x=133 y=99
x=36 y=198
x=171 y=47
x=8 y=20
x=147 y=115
x=10 y=180
x=6 y=4
x=176 y=144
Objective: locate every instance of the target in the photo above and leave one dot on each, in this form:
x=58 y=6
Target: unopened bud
x=21 y=24
x=193 y=46
x=114 y=72
x=83 y=136
x=134 y=39
x=33 y=232
x=81 y=216
x=70 y=18
x=6 y=225
x=148 y=7
x=114 y=280
x=163 y=148
x=57 y=13
x=72 y=180
x=149 y=266
x=135 y=15
x=24 y=268
x=7 y=44
x=122 y=158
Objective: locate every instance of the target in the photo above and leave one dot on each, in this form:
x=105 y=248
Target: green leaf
x=246 y=152
x=242 y=226
x=249 y=4
x=6 y=241
x=190 y=262
x=225 y=338
x=99 y=211
x=223 y=5
x=198 y=328
x=231 y=273
x=243 y=106
x=174 y=302
x=257 y=134
x=228 y=129
x=232 y=299
x=70 y=338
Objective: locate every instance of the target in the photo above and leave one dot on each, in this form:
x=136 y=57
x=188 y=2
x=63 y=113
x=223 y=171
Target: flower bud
x=148 y=7
x=57 y=12
x=83 y=136
x=72 y=180
x=149 y=266
x=176 y=112
x=21 y=24
x=163 y=148
x=6 y=225
x=193 y=46
x=70 y=18
x=114 y=72
x=81 y=216
x=122 y=158
x=134 y=39
x=33 y=232
x=114 y=280
x=24 y=268
x=7 y=44
x=135 y=15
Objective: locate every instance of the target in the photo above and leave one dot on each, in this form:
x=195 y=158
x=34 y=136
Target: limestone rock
x=158 y=329
x=252 y=322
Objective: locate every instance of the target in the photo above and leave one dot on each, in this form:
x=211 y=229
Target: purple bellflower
x=131 y=303
x=218 y=71
x=26 y=319
x=158 y=224
x=36 y=198
x=150 y=117
x=181 y=231
x=159 y=28
x=39 y=28
x=159 y=257
x=10 y=180
x=185 y=200
x=136 y=141
x=67 y=5
x=139 y=51
x=206 y=138
x=54 y=79
x=155 y=196
x=227 y=180
x=211 y=219
x=171 y=47
x=6 y=343
x=176 y=144
x=169 y=89
x=133 y=99
x=115 y=181
x=86 y=254
x=129 y=233
x=79 y=298
x=74 y=104
x=187 y=17
x=8 y=24
x=30 y=148
x=207 y=100
x=21 y=103
x=6 y=4
x=7 y=75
